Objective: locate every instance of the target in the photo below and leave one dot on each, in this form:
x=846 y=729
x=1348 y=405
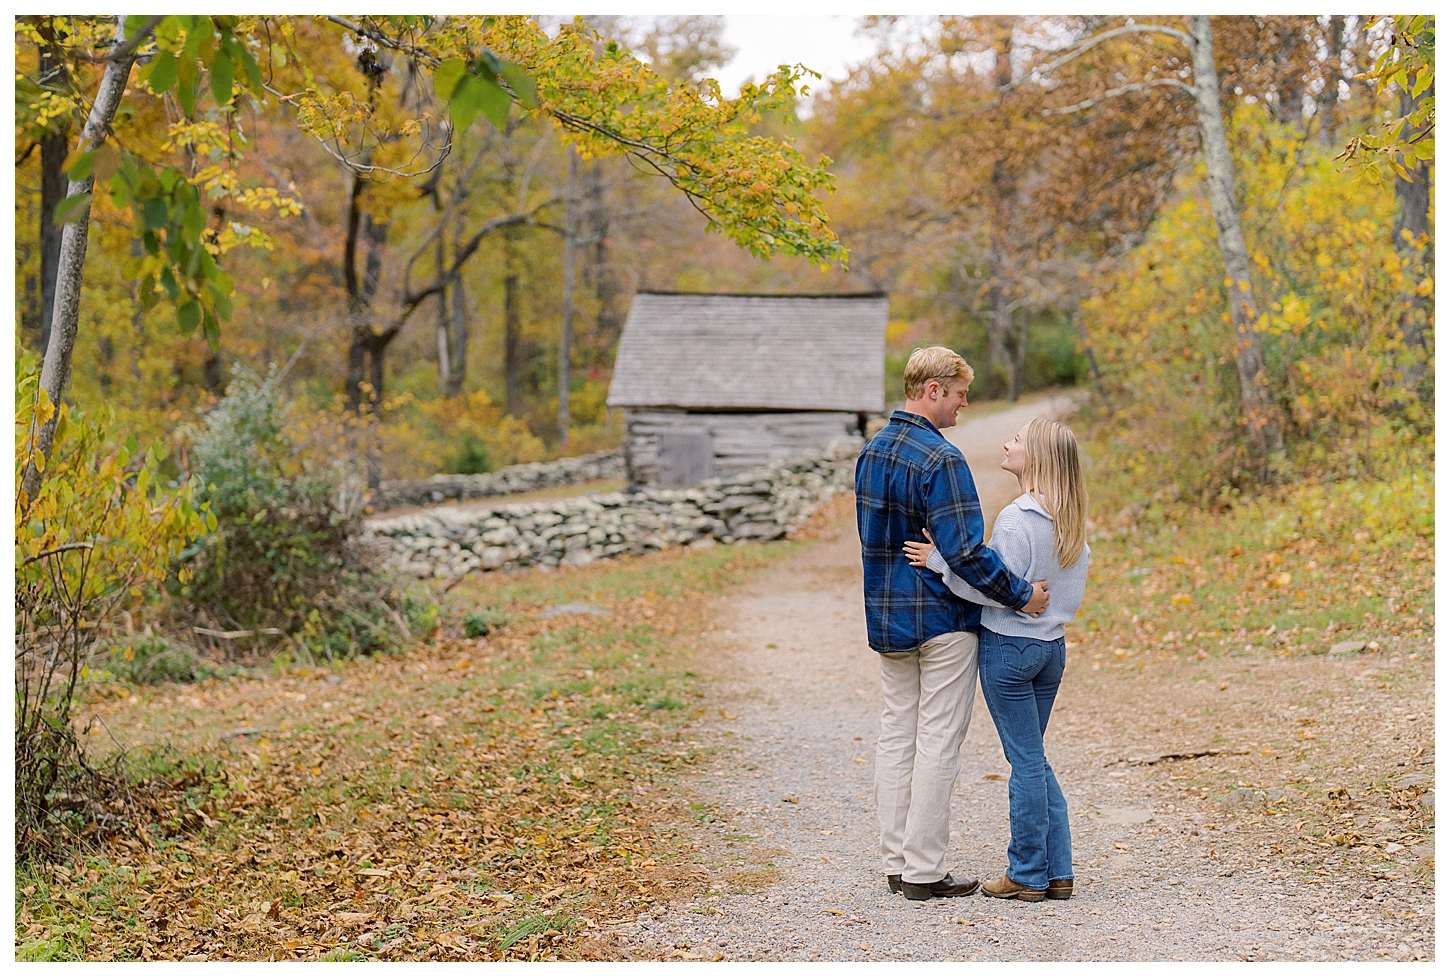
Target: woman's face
x=1016 y=460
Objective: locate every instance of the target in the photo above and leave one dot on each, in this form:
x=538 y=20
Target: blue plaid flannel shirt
x=909 y=476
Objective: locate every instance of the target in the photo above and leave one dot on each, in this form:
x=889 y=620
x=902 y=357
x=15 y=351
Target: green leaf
x=1423 y=80
x=194 y=223
x=487 y=66
x=522 y=83
x=131 y=443
x=163 y=72
x=188 y=317
x=72 y=209
x=495 y=103
x=78 y=165
x=447 y=77
x=254 y=70
x=186 y=96
x=213 y=332
x=199 y=40
x=168 y=282
x=146 y=292
x=119 y=192
x=465 y=103
x=223 y=304
x=221 y=78
x=155 y=213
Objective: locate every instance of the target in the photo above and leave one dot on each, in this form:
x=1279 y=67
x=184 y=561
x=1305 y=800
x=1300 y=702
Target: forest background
x=331 y=287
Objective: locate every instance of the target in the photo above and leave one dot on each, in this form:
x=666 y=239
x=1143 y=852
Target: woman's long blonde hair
x=1053 y=475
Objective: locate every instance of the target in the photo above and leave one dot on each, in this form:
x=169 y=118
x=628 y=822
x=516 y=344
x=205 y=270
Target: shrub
x=471 y=458
x=288 y=490
x=151 y=659
x=484 y=621
x=102 y=528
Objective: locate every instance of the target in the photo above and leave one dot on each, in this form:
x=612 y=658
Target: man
x=909 y=477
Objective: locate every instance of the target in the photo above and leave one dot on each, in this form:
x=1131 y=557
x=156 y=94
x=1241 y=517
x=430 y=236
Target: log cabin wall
x=738 y=440
x=717 y=384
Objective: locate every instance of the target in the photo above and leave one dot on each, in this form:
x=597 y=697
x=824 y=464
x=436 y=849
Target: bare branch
x=411 y=301
x=383 y=40
x=59 y=549
x=1115 y=92
x=124 y=51
x=460 y=192
x=1092 y=42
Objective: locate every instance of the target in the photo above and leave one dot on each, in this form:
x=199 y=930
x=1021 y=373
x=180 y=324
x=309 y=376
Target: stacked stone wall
x=506 y=481
x=761 y=504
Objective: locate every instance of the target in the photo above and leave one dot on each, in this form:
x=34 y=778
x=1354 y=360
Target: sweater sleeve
x=956 y=584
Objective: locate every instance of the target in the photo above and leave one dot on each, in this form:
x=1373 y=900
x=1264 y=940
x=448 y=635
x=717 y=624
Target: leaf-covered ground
x=472 y=799
x=513 y=795
x=1303 y=656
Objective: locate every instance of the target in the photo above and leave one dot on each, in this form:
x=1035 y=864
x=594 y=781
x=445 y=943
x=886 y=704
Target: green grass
x=570 y=715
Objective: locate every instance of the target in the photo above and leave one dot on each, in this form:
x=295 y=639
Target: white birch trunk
x=65 y=316
x=1255 y=406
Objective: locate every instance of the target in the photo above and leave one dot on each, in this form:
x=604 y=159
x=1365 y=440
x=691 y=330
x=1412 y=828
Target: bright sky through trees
x=826 y=44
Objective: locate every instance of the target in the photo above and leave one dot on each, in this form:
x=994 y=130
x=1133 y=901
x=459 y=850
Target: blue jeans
x=1020 y=677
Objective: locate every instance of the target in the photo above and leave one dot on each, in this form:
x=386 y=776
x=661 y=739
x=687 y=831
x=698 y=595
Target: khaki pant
x=929 y=695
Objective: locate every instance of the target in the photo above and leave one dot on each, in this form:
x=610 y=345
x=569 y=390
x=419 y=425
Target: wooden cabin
x=712 y=385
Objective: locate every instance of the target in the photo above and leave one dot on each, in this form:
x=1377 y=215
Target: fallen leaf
x=833 y=912
x=993 y=776
x=380 y=873
x=791 y=800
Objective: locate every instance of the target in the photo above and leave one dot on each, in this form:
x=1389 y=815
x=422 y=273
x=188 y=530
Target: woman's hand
x=919 y=553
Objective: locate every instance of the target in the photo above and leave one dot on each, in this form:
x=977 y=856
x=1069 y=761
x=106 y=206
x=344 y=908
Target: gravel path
x=787 y=821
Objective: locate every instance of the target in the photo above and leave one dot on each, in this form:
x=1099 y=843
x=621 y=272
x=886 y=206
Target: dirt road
x=787 y=820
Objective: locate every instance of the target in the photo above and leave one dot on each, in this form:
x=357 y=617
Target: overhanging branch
x=1123 y=90
x=1092 y=42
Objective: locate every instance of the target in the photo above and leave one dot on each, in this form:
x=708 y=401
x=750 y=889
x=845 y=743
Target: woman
x=1040 y=535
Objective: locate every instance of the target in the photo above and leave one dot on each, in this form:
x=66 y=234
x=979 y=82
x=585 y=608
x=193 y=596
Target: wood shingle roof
x=752 y=352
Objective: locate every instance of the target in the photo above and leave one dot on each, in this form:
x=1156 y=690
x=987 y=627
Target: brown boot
x=1059 y=889
x=1005 y=888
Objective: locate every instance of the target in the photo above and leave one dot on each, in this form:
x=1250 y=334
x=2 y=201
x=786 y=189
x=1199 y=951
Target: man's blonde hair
x=1053 y=474
x=934 y=363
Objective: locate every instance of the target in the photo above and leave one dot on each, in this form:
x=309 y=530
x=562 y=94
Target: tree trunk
x=603 y=282
x=445 y=361
x=70 y=268
x=1255 y=407
x=1017 y=379
x=999 y=324
x=1415 y=245
x=364 y=356
x=1326 y=103
x=566 y=331
x=512 y=341
x=459 y=346
x=1076 y=316
x=54 y=146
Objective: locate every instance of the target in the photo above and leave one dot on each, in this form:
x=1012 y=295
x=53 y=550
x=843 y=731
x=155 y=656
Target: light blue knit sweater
x=1023 y=536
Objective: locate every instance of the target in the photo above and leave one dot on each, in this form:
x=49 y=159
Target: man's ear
x=932 y=390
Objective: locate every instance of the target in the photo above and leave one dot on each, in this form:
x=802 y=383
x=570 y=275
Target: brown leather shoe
x=1059 y=889
x=1005 y=888
x=944 y=888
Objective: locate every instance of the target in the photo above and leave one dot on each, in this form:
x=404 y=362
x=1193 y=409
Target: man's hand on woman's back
x=1040 y=599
